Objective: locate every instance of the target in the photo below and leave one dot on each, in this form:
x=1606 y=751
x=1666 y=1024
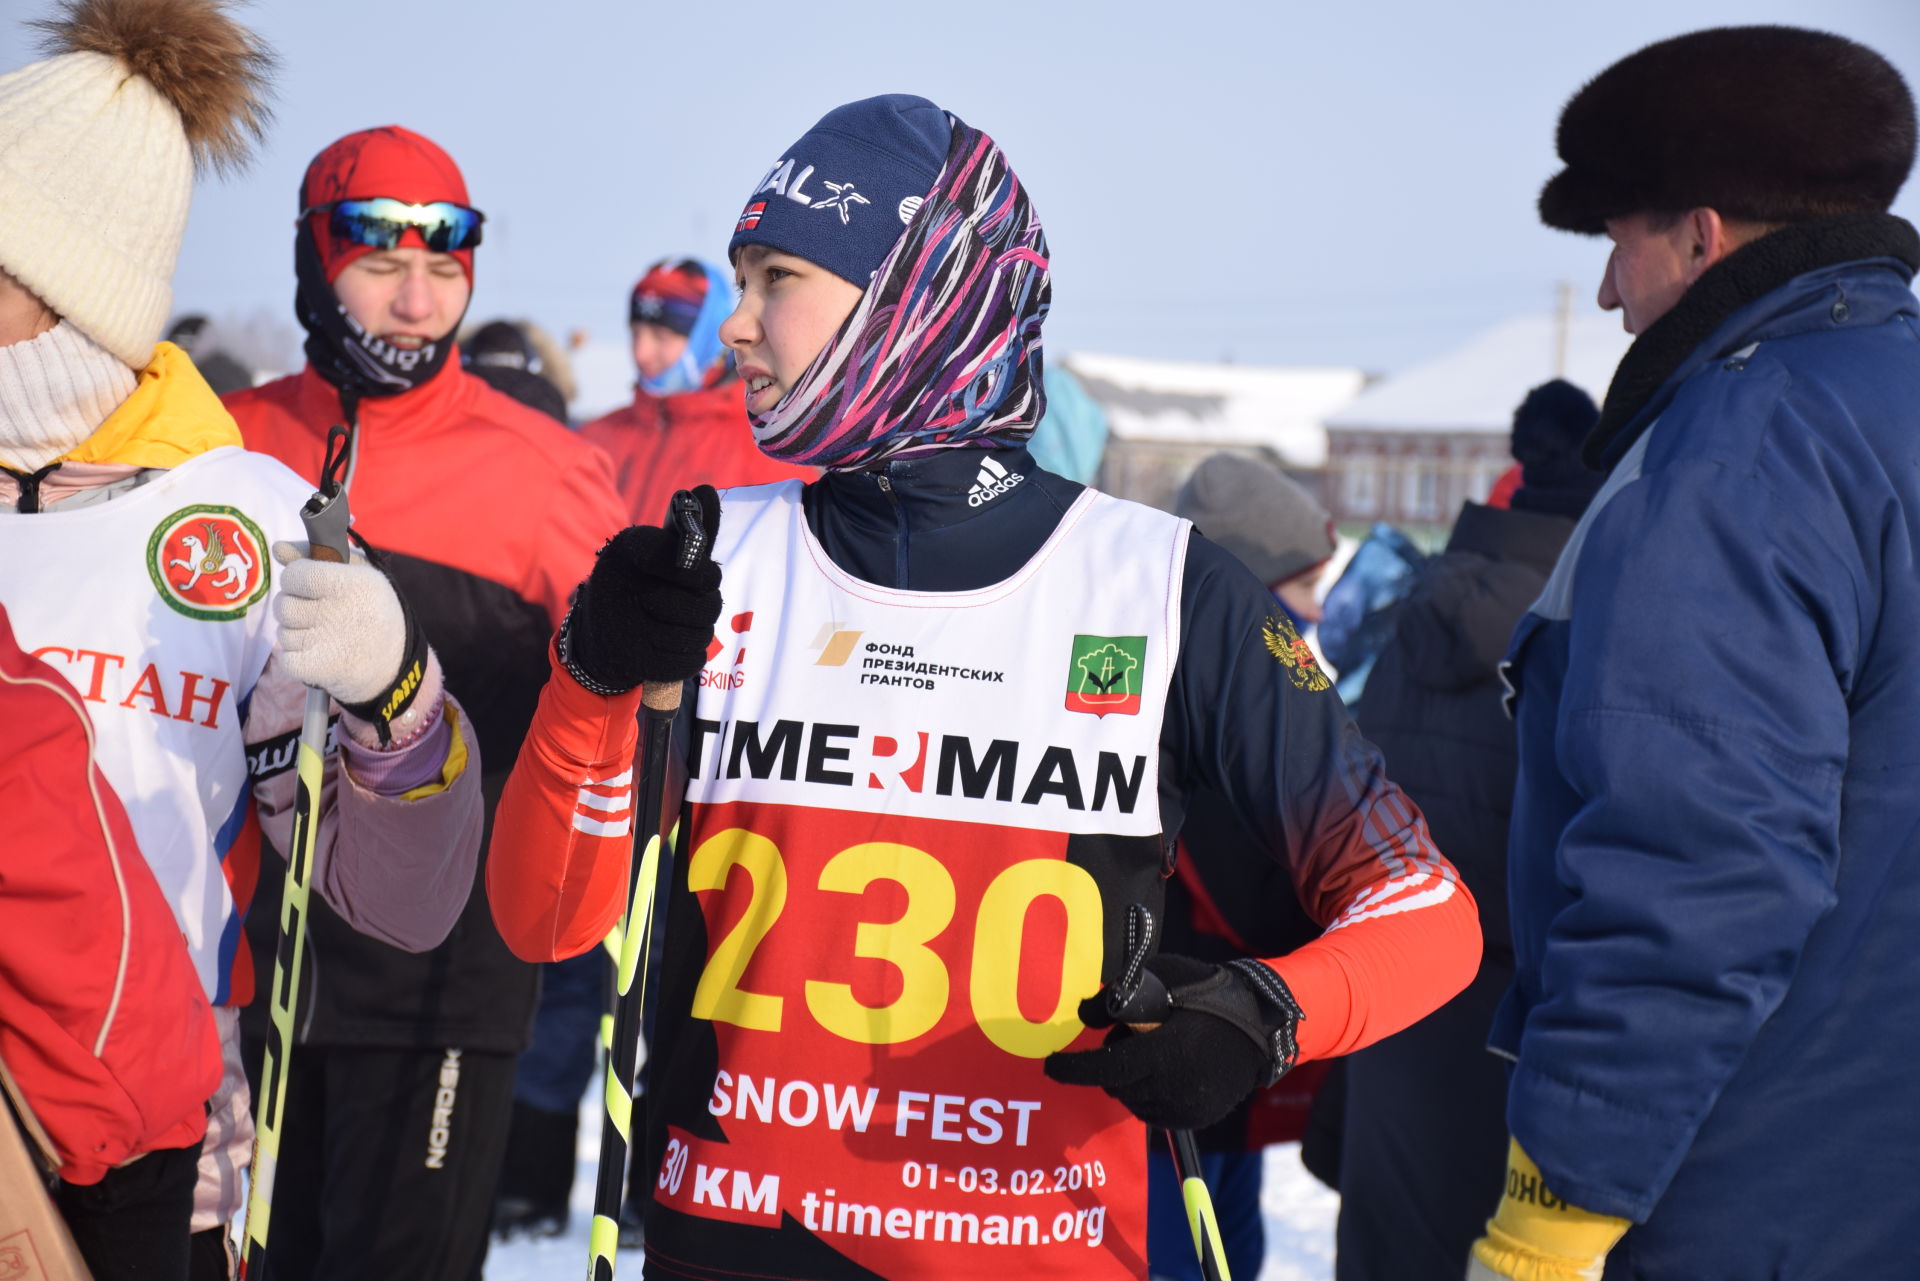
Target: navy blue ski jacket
x=1715 y=847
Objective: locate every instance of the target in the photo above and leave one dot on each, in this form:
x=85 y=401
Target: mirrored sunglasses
x=380 y=222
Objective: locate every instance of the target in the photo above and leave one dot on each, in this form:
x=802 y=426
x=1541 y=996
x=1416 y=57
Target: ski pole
x=661 y=702
x=1139 y=999
x=325 y=516
x=1199 y=1203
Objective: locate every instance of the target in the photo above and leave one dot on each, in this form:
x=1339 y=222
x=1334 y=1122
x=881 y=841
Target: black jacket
x=1423 y=1145
x=1433 y=703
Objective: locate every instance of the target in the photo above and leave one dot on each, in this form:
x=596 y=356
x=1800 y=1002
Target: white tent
x=1475 y=388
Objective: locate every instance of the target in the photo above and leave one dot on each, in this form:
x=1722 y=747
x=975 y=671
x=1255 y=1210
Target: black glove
x=644 y=616
x=1225 y=1031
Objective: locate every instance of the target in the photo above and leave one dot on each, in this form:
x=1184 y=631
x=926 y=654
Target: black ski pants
x=133 y=1224
x=1424 y=1147
x=388 y=1163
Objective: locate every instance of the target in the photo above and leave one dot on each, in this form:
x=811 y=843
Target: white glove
x=342 y=627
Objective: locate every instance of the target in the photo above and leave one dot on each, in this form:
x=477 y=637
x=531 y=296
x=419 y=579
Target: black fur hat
x=1764 y=124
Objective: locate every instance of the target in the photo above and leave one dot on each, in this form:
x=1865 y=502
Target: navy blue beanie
x=1547 y=431
x=841 y=196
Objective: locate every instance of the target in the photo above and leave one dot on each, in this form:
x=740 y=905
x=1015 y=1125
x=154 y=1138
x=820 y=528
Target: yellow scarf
x=171 y=416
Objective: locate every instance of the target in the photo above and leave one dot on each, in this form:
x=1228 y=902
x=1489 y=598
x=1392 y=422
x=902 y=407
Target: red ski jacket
x=103 y=1022
x=659 y=444
x=487 y=513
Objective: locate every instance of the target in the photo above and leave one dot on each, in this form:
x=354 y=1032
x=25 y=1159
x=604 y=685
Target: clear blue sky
x=1288 y=182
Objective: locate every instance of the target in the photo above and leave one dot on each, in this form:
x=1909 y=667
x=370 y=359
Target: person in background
x=487 y=512
x=502 y=354
x=1225 y=899
x=687 y=424
x=1270 y=524
x=1714 y=860
x=1421 y=1154
x=1072 y=439
x=1357 y=613
x=200 y=339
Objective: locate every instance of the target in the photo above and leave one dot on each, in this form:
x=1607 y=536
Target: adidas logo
x=993 y=481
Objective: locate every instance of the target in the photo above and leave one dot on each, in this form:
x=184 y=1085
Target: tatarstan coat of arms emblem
x=208 y=562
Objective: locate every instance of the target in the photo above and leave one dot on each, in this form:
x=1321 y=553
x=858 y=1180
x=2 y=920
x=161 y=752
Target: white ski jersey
x=155 y=607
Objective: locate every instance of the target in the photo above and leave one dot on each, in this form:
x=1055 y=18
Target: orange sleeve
x=557 y=867
x=1375 y=972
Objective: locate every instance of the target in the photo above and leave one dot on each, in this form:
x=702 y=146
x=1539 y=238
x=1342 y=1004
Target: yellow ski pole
x=662 y=704
x=325 y=516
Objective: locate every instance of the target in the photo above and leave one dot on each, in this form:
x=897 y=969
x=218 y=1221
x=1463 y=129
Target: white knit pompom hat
x=98 y=146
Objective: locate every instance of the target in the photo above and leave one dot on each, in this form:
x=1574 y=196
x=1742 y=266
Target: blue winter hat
x=842 y=194
x=705 y=360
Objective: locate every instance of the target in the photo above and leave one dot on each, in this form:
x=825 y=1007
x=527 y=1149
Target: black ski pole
x=1199 y=1203
x=661 y=703
x=325 y=516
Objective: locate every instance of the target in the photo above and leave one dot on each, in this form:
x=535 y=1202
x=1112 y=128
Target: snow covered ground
x=1299 y=1212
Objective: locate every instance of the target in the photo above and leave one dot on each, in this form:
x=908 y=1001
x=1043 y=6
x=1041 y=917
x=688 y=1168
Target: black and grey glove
x=1223 y=1032
x=645 y=615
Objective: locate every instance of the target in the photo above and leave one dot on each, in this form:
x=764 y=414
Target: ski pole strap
x=1243 y=993
x=1279 y=1014
x=327 y=521
x=325 y=514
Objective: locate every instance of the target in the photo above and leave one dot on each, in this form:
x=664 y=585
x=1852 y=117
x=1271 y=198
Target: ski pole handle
x=326 y=519
x=325 y=514
x=1138 y=997
x=662 y=698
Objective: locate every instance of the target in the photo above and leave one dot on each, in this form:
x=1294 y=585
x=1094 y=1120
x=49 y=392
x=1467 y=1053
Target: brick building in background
x=1411 y=448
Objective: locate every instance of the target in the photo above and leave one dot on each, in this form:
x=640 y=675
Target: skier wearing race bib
x=946 y=716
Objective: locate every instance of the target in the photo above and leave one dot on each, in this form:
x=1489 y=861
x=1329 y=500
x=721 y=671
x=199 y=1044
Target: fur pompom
x=214 y=71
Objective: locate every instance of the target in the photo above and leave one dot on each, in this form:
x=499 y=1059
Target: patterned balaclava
x=943 y=349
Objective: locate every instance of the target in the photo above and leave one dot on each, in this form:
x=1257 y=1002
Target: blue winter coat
x=1715 y=847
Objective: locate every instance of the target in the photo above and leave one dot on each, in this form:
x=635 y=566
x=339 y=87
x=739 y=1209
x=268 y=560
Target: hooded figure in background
x=1421 y=1155
x=504 y=355
x=687 y=424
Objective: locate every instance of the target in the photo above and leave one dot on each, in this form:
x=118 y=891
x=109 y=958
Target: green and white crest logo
x=208 y=562
x=1105 y=674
